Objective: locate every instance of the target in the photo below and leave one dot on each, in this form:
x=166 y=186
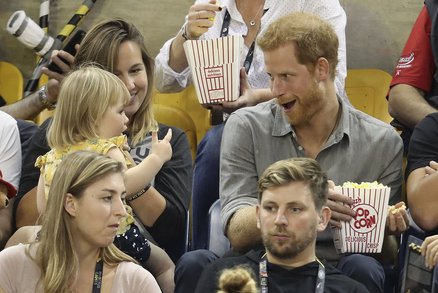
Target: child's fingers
x=154 y=137
x=168 y=136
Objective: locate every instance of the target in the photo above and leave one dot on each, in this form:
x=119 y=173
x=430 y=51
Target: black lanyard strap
x=263 y=272
x=98 y=272
x=224 y=33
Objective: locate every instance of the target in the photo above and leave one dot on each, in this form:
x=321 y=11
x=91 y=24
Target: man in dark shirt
x=292 y=209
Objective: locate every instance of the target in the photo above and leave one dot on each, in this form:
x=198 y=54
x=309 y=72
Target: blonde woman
x=75 y=251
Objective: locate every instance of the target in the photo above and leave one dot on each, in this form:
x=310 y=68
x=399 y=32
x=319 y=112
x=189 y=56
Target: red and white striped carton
x=215 y=67
x=365 y=233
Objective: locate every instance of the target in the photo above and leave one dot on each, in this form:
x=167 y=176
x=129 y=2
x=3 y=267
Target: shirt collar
x=230 y=5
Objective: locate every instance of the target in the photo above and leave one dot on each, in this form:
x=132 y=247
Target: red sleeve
x=416 y=66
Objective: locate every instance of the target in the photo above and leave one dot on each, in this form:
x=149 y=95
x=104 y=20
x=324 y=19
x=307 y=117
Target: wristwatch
x=184 y=33
x=44 y=99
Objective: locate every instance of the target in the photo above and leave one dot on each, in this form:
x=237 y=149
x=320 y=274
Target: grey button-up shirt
x=360 y=149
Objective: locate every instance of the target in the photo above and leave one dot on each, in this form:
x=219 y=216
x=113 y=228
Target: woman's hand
x=200 y=18
x=55 y=78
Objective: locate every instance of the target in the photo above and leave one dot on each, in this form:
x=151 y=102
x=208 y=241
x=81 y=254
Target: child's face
x=113 y=122
x=132 y=71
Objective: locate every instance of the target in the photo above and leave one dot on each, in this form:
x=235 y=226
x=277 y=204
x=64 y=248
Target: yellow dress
x=51 y=160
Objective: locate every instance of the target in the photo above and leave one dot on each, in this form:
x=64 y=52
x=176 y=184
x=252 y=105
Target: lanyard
x=224 y=33
x=263 y=271
x=97 y=281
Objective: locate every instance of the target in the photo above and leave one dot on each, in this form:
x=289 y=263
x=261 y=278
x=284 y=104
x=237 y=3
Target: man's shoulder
x=249 y=260
x=265 y=110
x=370 y=125
x=337 y=282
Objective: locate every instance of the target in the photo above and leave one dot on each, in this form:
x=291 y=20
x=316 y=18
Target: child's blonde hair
x=237 y=280
x=85 y=96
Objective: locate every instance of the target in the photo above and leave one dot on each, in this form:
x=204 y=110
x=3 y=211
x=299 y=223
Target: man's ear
x=70 y=204
x=258 y=215
x=322 y=69
x=324 y=218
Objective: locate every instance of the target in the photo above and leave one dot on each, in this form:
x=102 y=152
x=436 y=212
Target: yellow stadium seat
x=188 y=102
x=173 y=116
x=367 y=89
x=11 y=82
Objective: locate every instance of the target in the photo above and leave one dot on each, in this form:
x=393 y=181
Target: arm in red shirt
x=413 y=75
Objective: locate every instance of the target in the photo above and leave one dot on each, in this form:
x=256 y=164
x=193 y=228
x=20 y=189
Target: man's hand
x=432 y=168
x=429 y=249
x=339 y=204
x=248 y=96
x=397 y=220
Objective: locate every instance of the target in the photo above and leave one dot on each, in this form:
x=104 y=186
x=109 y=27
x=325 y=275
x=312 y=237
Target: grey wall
x=376 y=29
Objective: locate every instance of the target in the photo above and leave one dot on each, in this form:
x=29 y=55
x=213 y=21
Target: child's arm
x=141 y=175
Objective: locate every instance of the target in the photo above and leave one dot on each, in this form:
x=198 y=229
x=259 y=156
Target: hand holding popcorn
x=397 y=220
x=339 y=204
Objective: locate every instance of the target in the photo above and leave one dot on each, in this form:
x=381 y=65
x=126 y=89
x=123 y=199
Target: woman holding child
x=118 y=47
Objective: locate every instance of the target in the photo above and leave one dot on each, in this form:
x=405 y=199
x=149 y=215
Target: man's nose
x=281 y=218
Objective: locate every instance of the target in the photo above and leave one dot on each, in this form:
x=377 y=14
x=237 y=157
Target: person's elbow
x=424 y=219
x=392 y=102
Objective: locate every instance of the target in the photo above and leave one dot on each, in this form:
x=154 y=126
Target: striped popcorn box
x=365 y=232
x=215 y=68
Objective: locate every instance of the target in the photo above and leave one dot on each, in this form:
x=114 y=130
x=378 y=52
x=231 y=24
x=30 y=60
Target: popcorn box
x=365 y=233
x=215 y=67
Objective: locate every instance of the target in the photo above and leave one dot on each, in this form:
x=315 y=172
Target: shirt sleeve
x=12 y=265
x=416 y=66
x=423 y=146
x=238 y=172
x=134 y=278
x=10 y=149
x=174 y=183
x=38 y=146
x=166 y=79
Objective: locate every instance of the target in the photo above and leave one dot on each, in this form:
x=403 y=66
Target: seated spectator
x=422 y=178
x=307 y=119
x=220 y=18
x=414 y=87
x=422 y=184
x=291 y=210
x=119 y=47
x=7 y=192
x=10 y=167
x=74 y=252
x=10 y=149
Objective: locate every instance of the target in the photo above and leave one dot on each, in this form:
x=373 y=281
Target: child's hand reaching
x=162 y=148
